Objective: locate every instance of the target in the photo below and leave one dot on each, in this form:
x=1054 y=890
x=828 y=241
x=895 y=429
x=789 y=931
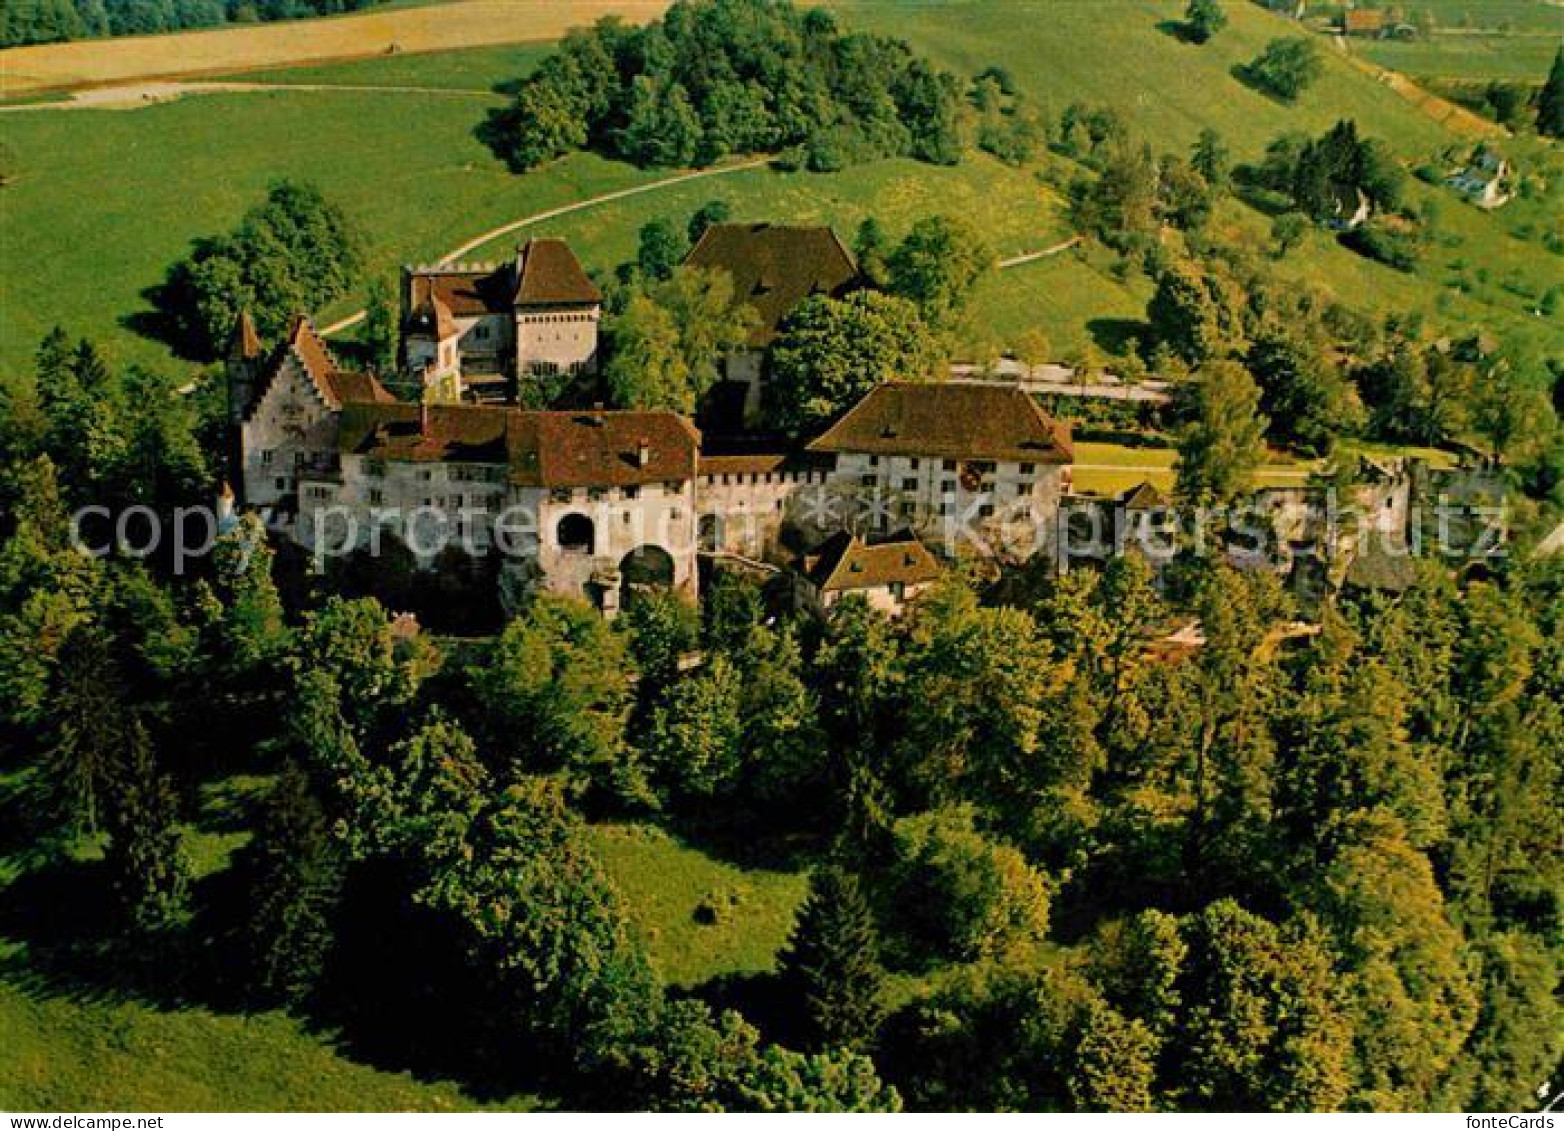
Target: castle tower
x=242 y=366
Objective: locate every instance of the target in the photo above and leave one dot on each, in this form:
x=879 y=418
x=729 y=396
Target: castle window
x=576 y=534
x=266 y=458
x=909 y=484
x=632 y=492
x=377 y=496
x=1027 y=469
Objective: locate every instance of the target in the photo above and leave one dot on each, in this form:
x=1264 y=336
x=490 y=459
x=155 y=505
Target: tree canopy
x=714 y=77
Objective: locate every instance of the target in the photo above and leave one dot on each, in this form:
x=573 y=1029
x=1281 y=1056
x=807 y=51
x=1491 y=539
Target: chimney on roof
x=643 y=454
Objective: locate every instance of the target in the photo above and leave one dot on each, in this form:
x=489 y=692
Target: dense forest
x=1052 y=867
x=51 y=21
x=733 y=76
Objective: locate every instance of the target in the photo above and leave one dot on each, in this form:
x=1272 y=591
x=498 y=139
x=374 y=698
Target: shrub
x=961 y=895
x=1384 y=244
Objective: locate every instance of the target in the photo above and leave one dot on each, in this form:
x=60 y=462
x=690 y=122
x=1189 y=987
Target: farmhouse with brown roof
x=477 y=330
x=774 y=267
x=889 y=575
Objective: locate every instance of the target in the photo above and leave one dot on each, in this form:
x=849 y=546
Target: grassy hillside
x=699 y=917
x=1514 y=58
x=143 y=184
x=1476 y=39
x=66 y=1054
x=476 y=68
x=140 y=185
x=101 y=202
x=1126 y=53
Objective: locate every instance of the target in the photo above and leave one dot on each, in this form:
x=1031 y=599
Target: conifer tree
x=831 y=964
x=81 y=764
x=147 y=864
x=1550 y=103
x=292 y=873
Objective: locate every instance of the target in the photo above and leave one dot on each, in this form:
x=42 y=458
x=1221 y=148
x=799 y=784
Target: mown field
x=1513 y=40
x=1110 y=469
x=397 y=30
x=141 y=185
x=1522 y=58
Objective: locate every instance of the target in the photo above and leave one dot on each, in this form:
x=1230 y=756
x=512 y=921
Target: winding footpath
x=619 y=194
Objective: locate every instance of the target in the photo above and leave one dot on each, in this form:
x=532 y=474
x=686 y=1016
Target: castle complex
x=592 y=502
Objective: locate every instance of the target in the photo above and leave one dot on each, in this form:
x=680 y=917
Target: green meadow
x=698 y=915
x=118 y=1054
x=101 y=202
x=1472 y=56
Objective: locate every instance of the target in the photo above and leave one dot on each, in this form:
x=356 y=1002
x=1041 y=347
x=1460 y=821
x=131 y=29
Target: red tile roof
x=732 y=457
x=465 y=294
x=545 y=273
x=337 y=386
x=775 y=268
x=542 y=449
x=954 y=420
x=548 y=272
x=1363 y=19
